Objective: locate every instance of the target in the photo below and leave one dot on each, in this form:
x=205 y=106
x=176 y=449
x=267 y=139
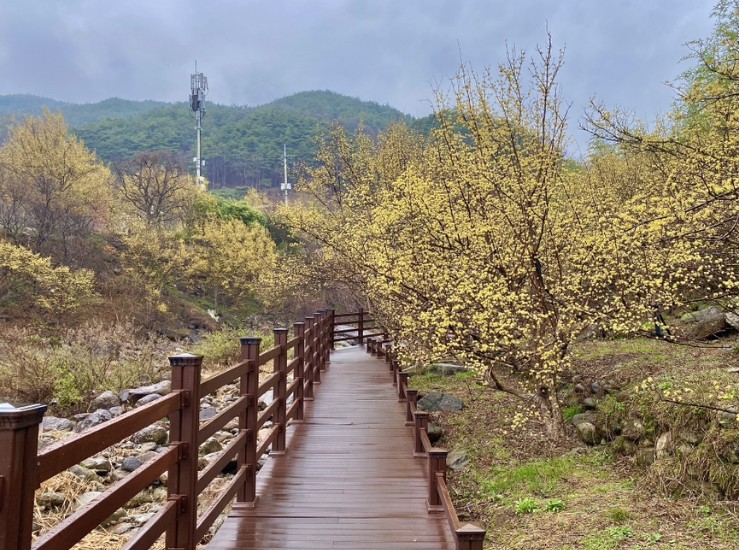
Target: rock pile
x=119 y=461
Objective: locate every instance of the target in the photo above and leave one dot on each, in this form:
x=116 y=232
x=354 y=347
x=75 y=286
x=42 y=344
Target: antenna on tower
x=285 y=186
x=198 y=91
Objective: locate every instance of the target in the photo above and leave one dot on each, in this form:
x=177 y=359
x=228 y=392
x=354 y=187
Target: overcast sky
x=389 y=51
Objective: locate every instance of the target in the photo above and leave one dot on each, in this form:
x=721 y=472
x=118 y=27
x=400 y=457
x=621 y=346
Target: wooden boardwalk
x=348 y=480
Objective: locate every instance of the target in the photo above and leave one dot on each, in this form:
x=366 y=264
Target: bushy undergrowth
x=68 y=369
x=223 y=347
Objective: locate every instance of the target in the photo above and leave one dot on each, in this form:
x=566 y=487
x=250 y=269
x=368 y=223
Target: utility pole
x=198 y=91
x=285 y=186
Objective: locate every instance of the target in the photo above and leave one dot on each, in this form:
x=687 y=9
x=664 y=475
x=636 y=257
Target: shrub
x=69 y=369
x=526 y=506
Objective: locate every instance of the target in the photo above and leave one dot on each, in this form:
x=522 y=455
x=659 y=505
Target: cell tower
x=285 y=186
x=198 y=91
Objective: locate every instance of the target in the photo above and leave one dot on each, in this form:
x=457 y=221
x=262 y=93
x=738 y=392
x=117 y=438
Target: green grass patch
x=608 y=538
x=538 y=477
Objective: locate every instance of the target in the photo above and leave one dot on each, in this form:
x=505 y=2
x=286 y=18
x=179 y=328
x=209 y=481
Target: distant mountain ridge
x=242 y=146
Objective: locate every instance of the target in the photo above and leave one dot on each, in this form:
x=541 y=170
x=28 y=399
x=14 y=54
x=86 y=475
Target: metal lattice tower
x=198 y=91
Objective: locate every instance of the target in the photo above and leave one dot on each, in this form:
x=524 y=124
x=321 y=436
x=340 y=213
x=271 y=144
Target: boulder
x=207 y=413
x=93 y=419
x=97 y=464
x=663 y=446
x=583 y=417
x=83 y=473
x=54 y=424
x=457 y=460
x=210 y=445
x=733 y=319
x=437 y=401
x=106 y=400
x=117 y=475
x=589 y=404
x=147 y=399
x=156 y=434
x=435 y=432
x=704 y=323
x=51 y=499
x=130 y=463
x=161 y=388
x=588 y=433
x=121 y=528
x=446 y=369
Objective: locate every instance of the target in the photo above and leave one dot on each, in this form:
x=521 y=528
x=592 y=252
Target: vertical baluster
x=299 y=332
x=310 y=362
x=437 y=464
x=360 y=326
x=421 y=419
x=19 y=429
x=280 y=392
x=411 y=396
x=183 y=431
x=250 y=387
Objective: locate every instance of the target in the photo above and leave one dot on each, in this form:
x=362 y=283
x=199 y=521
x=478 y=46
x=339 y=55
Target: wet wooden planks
x=348 y=479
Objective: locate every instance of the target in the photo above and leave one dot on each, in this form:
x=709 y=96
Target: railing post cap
x=279 y=329
x=299 y=324
x=421 y=414
x=438 y=452
x=471 y=531
x=245 y=341
x=185 y=360
x=16 y=418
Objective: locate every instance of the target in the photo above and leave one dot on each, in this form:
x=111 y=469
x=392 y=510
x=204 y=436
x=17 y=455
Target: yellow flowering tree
x=484 y=244
x=52 y=189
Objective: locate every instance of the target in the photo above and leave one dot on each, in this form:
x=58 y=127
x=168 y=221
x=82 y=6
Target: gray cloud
x=388 y=51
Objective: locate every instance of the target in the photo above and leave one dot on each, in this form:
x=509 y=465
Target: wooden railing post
x=328 y=337
x=411 y=397
x=320 y=339
x=421 y=419
x=332 y=316
x=248 y=419
x=310 y=361
x=315 y=361
x=395 y=368
x=183 y=431
x=470 y=537
x=402 y=385
x=299 y=332
x=360 y=325
x=19 y=429
x=280 y=393
x=437 y=465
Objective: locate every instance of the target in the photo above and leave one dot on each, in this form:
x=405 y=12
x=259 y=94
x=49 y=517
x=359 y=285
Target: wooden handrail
x=68 y=452
x=23 y=468
x=467 y=536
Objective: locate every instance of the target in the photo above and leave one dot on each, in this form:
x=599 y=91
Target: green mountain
x=242 y=146
x=76 y=115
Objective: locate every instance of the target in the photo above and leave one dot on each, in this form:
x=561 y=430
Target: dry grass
x=604 y=501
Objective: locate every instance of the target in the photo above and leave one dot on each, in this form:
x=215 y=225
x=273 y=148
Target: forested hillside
x=242 y=146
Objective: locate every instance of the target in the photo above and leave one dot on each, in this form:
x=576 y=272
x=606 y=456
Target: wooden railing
x=468 y=536
x=23 y=468
x=355 y=326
